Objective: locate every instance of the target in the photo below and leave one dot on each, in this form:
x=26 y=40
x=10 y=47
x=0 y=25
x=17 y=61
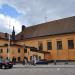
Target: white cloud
x=6 y=20
x=35 y=11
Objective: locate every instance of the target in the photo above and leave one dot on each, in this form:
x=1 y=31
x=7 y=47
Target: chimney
x=23 y=27
x=6 y=35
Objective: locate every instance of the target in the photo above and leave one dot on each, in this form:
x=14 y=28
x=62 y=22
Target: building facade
x=53 y=40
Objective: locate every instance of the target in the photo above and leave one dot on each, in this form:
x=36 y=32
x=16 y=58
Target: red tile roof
x=4 y=35
x=61 y=26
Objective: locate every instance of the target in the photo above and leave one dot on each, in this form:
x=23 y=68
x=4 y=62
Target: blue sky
x=28 y=13
x=9 y=11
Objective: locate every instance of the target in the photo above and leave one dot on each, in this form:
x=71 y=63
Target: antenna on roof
x=23 y=27
x=46 y=17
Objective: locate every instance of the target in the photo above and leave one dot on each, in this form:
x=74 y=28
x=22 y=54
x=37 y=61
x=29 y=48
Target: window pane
x=70 y=44
x=40 y=46
x=25 y=50
x=1 y=50
x=19 y=59
x=18 y=50
x=39 y=57
x=59 y=45
x=36 y=57
x=49 y=45
x=6 y=57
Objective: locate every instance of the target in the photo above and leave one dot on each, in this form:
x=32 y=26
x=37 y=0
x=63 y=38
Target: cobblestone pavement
x=39 y=70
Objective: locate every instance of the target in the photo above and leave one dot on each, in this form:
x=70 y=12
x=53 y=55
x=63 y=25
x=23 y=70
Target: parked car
x=5 y=64
x=41 y=62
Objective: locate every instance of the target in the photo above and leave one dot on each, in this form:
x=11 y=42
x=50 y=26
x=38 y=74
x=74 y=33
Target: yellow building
x=53 y=40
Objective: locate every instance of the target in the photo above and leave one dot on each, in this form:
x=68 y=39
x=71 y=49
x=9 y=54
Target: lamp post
x=9 y=42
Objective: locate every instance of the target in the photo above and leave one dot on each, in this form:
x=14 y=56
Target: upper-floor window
x=49 y=45
x=59 y=45
x=7 y=50
x=70 y=44
x=1 y=50
x=5 y=44
x=25 y=50
x=40 y=44
x=18 y=50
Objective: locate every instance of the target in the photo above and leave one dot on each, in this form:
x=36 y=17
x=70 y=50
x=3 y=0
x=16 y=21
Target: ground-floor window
x=26 y=58
x=36 y=56
x=1 y=57
x=6 y=57
x=1 y=50
x=14 y=59
x=19 y=59
x=39 y=57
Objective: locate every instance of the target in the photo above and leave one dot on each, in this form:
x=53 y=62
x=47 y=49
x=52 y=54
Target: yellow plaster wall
x=12 y=53
x=2 y=42
x=55 y=54
x=31 y=53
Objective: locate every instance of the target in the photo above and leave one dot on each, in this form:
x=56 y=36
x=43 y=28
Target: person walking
x=34 y=60
x=14 y=60
x=25 y=61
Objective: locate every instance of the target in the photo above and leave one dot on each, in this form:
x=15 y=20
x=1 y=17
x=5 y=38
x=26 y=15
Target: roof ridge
x=50 y=28
x=51 y=21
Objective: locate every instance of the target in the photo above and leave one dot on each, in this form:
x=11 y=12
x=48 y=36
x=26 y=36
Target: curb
x=46 y=66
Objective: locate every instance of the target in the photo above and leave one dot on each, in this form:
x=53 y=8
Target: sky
x=32 y=12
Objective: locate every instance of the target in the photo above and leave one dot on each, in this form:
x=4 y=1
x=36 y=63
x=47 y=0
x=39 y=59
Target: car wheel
x=3 y=66
x=10 y=67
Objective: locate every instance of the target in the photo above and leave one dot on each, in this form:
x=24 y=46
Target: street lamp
x=9 y=42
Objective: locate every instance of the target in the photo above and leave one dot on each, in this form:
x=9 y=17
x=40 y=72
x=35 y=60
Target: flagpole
x=46 y=17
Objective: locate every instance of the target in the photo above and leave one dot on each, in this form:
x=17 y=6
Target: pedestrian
x=14 y=61
x=34 y=60
x=25 y=61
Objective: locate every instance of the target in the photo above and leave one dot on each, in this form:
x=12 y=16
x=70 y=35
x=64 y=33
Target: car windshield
x=4 y=60
x=0 y=60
